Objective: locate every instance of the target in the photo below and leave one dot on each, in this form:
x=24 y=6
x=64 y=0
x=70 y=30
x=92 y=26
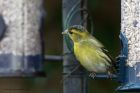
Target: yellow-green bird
x=89 y=51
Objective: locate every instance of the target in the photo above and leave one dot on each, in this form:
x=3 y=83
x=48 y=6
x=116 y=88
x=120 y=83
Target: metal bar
x=84 y=18
x=53 y=57
x=72 y=84
x=99 y=76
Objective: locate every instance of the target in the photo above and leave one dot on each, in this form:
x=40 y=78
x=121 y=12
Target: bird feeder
x=20 y=45
x=129 y=60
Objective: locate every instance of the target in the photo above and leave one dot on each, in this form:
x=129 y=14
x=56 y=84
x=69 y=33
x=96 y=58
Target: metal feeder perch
x=20 y=45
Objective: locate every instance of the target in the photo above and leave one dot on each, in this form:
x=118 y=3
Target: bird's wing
x=95 y=41
x=112 y=62
x=93 y=44
x=107 y=53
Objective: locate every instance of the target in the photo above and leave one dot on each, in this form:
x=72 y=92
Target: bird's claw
x=92 y=75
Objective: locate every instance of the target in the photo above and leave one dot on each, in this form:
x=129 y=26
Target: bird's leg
x=93 y=74
x=110 y=75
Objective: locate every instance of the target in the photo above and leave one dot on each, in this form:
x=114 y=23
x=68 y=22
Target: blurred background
x=106 y=18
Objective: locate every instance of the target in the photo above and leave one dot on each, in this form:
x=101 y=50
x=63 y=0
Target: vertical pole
x=84 y=14
x=130 y=28
x=73 y=84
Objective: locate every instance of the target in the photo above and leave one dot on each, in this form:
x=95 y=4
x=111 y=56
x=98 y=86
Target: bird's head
x=76 y=33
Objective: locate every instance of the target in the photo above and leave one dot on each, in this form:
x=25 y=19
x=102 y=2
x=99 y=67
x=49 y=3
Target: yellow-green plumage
x=91 y=57
x=89 y=51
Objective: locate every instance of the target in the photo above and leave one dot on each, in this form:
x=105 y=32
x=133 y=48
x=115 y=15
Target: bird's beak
x=66 y=32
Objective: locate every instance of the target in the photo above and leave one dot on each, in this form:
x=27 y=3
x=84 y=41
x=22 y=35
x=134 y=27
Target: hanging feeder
x=129 y=61
x=21 y=44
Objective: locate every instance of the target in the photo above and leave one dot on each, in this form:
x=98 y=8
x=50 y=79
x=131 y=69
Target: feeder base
x=130 y=87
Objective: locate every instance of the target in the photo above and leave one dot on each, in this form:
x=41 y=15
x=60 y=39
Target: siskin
x=89 y=51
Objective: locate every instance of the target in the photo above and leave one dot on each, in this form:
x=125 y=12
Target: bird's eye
x=71 y=32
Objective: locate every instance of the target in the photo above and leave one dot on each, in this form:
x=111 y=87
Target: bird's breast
x=89 y=58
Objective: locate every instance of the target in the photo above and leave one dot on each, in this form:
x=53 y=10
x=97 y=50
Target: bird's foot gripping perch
x=92 y=75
